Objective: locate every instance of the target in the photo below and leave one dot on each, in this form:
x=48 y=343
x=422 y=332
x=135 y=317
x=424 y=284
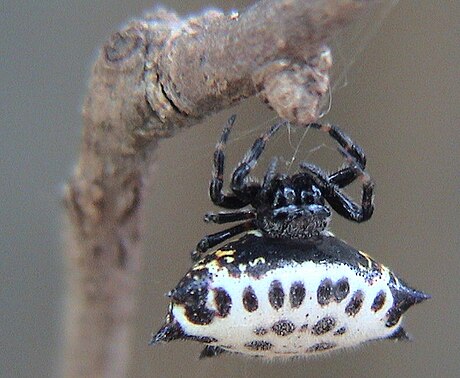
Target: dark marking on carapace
x=355 y=304
x=257 y=345
x=276 y=295
x=379 y=301
x=250 y=301
x=323 y=325
x=223 y=302
x=341 y=289
x=296 y=294
x=324 y=292
x=321 y=347
x=283 y=327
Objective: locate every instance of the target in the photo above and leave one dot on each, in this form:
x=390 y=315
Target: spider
x=285 y=206
x=288 y=288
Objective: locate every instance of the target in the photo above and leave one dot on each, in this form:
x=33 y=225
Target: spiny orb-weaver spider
x=287 y=287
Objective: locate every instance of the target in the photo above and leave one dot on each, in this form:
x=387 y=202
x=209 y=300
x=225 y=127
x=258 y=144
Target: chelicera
x=294 y=206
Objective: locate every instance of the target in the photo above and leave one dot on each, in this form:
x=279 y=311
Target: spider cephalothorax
x=283 y=206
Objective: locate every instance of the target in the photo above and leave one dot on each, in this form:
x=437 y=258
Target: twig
x=156 y=75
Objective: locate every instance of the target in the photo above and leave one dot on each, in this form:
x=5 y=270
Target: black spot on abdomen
x=341 y=289
x=379 y=301
x=320 y=347
x=323 y=326
x=250 y=301
x=199 y=315
x=276 y=295
x=283 y=327
x=260 y=331
x=296 y=294
x=223 y=302
x=324 y=292
x=355 y=304
x=258 y=345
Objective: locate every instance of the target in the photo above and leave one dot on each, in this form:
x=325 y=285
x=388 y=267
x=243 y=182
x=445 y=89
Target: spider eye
x=316 y=191
x=289 y=194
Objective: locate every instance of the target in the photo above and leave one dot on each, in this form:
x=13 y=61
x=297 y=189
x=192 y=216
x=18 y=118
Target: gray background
x=400 y=103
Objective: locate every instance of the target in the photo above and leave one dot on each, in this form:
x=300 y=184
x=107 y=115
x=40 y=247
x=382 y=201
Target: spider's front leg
x=339 y=201
x=239 y=183
x=344 y=177
x=350 y=149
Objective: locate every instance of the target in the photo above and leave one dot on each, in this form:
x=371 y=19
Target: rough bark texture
x=156 y=75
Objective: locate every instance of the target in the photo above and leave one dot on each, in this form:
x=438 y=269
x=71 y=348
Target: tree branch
x=156 y=75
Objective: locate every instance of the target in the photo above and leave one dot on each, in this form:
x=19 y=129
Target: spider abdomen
x=279 y=298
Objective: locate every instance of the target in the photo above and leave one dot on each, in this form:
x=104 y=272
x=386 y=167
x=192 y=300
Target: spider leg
x=212 y=240
x=269 y=175
x=344 y=177
x=239 y=183
x=216 y=193
x=342 y=204
x=345 y=141
x=229 y=217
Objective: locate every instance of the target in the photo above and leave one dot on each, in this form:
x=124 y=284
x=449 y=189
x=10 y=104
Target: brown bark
x=156 y=75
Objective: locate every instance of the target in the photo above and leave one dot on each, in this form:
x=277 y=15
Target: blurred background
x=399 y=100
